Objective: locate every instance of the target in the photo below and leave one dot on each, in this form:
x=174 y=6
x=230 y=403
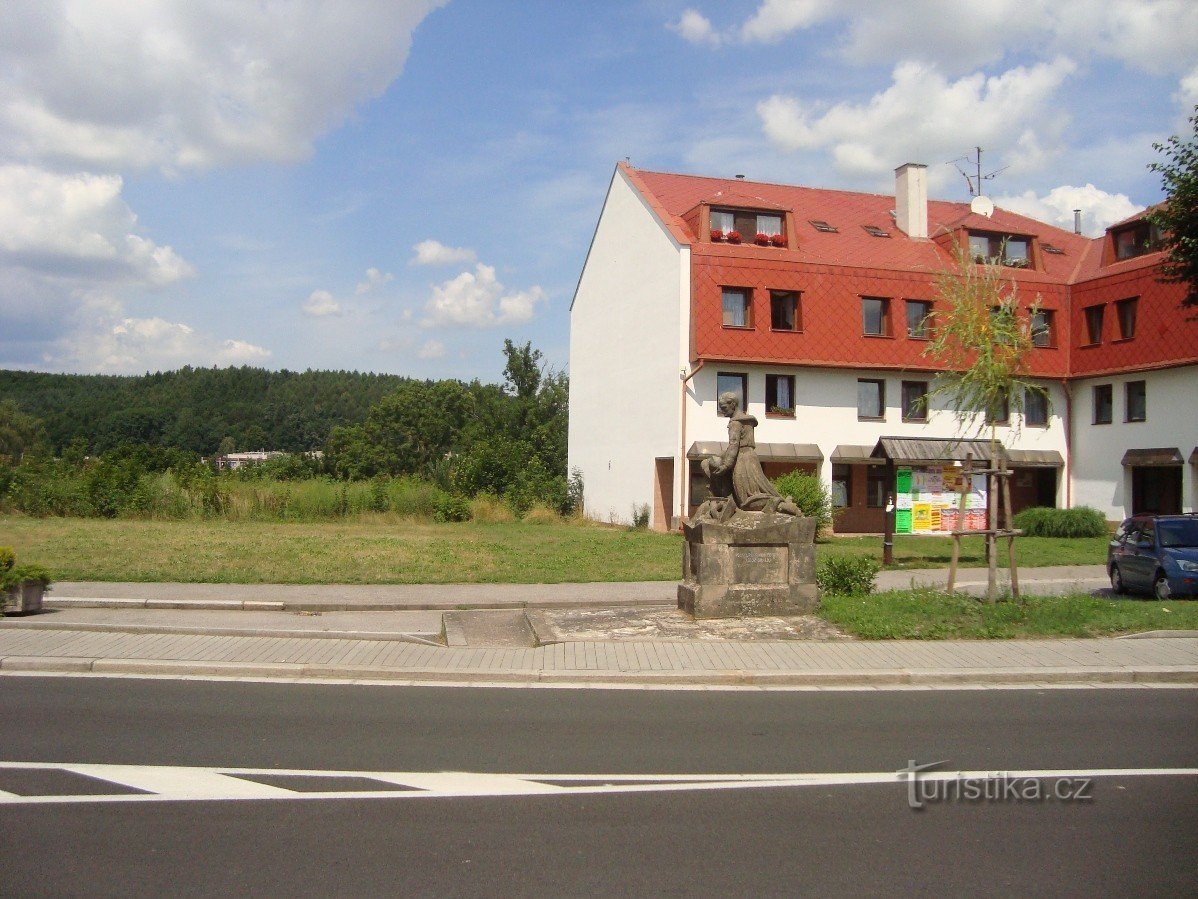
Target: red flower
x=778 y=240
x=733 y=237
x=762 y=238
x=717 y=234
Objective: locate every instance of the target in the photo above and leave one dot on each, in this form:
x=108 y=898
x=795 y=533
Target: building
x=814 y=305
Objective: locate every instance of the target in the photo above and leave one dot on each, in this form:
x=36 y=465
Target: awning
x=855 y=454
x=930 y=449
x=766 y=452
x=1169 y=455
x=1035 y=459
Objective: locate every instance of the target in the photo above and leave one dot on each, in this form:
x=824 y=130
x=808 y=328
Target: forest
x=93 y=445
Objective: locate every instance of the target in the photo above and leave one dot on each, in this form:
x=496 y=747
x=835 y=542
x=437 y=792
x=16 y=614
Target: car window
x=1123 y=529
x=1180 y=532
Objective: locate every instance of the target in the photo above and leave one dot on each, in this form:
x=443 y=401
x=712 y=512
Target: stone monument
x=748 y=551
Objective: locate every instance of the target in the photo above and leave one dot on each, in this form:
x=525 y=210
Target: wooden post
x=991 y=533
x=1006 y=498
x=888 y=532
x=966 y=484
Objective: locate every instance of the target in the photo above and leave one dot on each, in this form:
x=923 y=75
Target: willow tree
x=981 y=342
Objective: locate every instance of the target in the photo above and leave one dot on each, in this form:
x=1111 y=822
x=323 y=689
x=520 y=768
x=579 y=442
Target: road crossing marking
x=160 y=783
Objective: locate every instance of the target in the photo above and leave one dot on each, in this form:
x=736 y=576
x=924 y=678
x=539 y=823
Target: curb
x=433 y=637
x=897 y=677
x=251 y=605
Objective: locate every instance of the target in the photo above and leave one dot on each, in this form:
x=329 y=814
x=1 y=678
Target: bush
x=488 y=509
x=847 y=575
x=1080 y=521
x=7 y=558
x=541 y=514
x=449 y=507
x=810 y=495
x=640 y=515
x=23 y=574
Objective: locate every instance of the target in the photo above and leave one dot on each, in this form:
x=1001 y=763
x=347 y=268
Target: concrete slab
x=488 y=628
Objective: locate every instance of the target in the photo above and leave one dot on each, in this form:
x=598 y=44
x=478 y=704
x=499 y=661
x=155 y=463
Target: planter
x=733 y=237
x=24 y=598
x=717 y=234
x=762 y=240
x=778 y=240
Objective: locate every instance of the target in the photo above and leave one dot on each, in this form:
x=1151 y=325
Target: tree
x=19 y=432
x=1177 y=218
x=982 y=342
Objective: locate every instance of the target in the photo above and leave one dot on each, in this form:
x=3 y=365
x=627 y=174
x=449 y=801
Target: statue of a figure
x=736 y=478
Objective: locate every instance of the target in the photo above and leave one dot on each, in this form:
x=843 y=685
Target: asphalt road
x=1135 y=835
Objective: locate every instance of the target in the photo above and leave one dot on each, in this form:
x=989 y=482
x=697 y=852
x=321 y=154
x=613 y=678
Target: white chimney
x=911 y=199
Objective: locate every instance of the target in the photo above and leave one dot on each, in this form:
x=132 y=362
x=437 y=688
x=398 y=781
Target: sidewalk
x=406 y=643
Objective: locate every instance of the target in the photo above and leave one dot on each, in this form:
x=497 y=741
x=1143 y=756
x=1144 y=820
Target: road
x=629 y=831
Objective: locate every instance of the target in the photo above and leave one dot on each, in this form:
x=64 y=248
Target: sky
x=399 y=185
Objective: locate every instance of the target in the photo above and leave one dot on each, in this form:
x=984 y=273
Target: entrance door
x=1156 y=489
x=663 y=493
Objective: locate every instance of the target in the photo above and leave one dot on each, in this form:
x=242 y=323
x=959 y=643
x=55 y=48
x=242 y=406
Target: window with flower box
x=1000 y=249
x=746 y=226
x=780 y=395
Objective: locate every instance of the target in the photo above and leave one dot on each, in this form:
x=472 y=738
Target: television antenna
x=976 y=179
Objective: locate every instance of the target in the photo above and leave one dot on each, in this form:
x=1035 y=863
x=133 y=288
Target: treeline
x=426 y=447
x=196 y=409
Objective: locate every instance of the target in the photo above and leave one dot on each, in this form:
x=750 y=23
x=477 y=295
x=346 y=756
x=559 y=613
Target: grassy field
x=932 y=615
x=392 y=550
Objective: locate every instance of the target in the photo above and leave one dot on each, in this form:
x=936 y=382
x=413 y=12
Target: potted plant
x=762 y=239
x=733 y=237
x=717 y=234
x=22 y=587
x=778 y=240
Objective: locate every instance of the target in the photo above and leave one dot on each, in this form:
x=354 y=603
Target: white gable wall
x=625 y=355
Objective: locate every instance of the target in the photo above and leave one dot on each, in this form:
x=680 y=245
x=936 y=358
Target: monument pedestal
x=749 y=566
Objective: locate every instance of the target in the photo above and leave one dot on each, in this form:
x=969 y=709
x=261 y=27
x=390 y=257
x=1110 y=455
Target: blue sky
x=398 y=185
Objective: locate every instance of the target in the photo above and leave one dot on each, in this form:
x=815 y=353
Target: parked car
x=1157 y=553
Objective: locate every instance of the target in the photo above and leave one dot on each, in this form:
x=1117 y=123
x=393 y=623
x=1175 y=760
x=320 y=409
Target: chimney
x=1077 y=221
x=911 y=199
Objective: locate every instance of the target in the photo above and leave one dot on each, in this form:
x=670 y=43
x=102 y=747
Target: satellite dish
x=982 y=206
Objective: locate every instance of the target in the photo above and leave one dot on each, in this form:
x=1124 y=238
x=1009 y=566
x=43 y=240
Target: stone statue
x=736 y=479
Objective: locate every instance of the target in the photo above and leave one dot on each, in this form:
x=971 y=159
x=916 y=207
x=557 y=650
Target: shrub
x=810 y=495
x=7 y=558
x=449 y=507
x=24 y=574
x=1080 y=521
x=640 y=515
x=488 y=509
x=541 y=514
x=847 y=575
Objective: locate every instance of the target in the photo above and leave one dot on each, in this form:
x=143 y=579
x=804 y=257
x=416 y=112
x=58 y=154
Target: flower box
x=23 y=598
x=733 y=237
x=717 y=234
x=778 y=240
x=762 y=239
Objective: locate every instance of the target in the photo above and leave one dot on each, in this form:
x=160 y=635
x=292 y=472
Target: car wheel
x=1161 y=587
x=1117 y=580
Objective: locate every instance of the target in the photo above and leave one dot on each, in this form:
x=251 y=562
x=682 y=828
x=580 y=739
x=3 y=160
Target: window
x=1035 y=407
x=1052 y=248
x=1044 y=332
x=1136 y=400
x=842 y=485
x=875 y=315
x=738 y=307
x=876 y=487
x=915 y=400
x=1125 y=313
x=1001 y=249
x=1000 y=412
x=819 y=225
x=746 y=223
x=875 y=231
x=1094 y=324
x=732 y=382
x=784 y=311
x=871 y=398
x=919 y=325
x=780 y=394
x=1103 y=404
x=1136 y=240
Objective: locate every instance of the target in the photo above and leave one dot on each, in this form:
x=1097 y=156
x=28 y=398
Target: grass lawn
x=932 y=615
x=403 y=551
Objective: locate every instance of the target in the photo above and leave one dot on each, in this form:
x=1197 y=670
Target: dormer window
x=1000 y=249
x=747 y=226
x=1136 y=240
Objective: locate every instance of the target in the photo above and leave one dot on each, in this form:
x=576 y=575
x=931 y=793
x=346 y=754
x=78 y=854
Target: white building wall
x=826 y=413
x=625 y=355
x=1099 y=478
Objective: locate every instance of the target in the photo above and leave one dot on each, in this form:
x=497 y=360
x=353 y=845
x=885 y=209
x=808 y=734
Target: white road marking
x=178 y=783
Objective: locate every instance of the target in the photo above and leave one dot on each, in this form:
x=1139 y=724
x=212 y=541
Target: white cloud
x=1099 y=208
x=78 y=227
x=478 y=300
x=923 y=116
x=321 y=303
x=1187 y=94
x=775 y=19
x=132 y=345
x=696 y=28
x=190 y=84
x=373 y=280
x=432 y=252
x=431 y=349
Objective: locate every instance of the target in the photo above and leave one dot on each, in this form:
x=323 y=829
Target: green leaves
x=1177 y=219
